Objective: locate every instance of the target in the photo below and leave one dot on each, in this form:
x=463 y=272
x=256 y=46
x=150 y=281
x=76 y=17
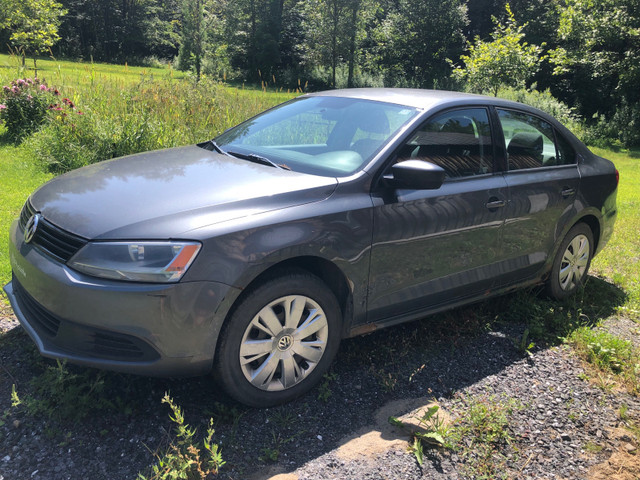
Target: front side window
x=530 y=142
x=459 y=141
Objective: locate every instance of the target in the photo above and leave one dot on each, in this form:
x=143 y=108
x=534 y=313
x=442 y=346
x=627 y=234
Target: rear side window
x=459 y=141
x=531 y=142
x=566 y=153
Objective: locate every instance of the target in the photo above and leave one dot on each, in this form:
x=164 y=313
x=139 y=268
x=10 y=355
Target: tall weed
x=149 y=115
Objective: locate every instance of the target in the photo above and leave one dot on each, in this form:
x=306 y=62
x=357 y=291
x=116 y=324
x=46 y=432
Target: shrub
x=547 y=103
x=622 y=129
x=23 y=106
x=145 y=116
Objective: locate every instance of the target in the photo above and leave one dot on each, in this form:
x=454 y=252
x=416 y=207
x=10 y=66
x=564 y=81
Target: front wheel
x=571 y=265
x=279 y=341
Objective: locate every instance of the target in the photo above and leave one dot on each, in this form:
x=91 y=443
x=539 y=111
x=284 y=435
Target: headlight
x=158 y=262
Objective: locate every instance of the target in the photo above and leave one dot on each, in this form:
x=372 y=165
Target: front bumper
x=149 y=329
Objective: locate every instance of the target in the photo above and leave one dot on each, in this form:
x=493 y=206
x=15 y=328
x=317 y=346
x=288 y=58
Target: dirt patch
x=624 y=463
x=7 y=320
x=383 y=436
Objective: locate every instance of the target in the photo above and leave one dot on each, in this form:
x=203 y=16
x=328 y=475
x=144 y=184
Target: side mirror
x=416 y=175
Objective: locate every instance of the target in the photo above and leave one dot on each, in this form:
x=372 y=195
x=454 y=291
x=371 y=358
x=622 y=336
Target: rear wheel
x=279 y=341
x=571 y=265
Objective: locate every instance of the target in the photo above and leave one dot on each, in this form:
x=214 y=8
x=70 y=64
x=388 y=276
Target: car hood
x=168 y=193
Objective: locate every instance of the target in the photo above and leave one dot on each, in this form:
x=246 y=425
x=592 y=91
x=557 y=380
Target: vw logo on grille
x=31 y=227
x=285 y=343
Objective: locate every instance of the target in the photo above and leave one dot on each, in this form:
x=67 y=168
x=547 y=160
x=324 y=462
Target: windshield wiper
x=214 y=146
x=252 y=157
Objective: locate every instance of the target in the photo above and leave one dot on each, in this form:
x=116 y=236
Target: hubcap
x=574 y=262
x=283 y=343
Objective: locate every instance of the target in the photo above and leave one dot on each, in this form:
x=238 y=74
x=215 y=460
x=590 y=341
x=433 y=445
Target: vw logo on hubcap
x=285 y=343
x=31 y=227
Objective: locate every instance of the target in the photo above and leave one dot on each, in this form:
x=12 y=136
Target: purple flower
x=15 y=90
x=29 y=97
x=2 y=107
x=21 y=81
x=43 y=87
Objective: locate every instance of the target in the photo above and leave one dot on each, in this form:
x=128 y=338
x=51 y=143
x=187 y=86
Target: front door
x=433 y=247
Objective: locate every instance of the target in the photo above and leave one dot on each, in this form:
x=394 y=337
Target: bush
x=145 y=116
x=320 y=78
x=75 y=139
x=24 y=105
x=622 y=129
x=547 y=103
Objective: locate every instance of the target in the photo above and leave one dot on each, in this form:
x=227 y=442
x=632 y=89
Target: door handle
x=494 y=203
x=567 y=192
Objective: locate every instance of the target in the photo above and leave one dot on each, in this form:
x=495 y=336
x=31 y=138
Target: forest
x=586 y=53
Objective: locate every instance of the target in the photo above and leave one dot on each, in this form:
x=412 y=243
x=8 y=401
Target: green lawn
x=620 y=260
x=18 y=178
x=81 y=75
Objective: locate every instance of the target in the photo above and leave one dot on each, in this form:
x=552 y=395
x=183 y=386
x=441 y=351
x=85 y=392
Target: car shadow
x=426 y=359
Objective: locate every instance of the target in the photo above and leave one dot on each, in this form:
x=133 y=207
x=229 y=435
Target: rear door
x=433 y=247
x=543 y=181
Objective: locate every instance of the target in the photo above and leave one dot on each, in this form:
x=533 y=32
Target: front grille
x=43 y=321
x=51 y=239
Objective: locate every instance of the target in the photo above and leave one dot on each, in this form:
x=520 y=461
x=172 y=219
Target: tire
x=571 y=265
x=267 y=356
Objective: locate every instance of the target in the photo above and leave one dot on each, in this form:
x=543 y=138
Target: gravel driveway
x=566 y=423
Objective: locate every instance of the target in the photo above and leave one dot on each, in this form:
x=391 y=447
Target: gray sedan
x=252 y=255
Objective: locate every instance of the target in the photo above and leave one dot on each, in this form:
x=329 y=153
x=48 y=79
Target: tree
x=34 y=25
x=119 y=30
x=325 y=24
x=597 y=62
x=192 y=36
x=506 y=60
x=414 y=40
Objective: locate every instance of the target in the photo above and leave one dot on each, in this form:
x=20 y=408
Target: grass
x=480 y=434
x=18 y=178
x=609 y=355
x=620 y=260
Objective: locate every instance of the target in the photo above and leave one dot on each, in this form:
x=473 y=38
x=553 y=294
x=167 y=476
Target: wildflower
x=29 y=97
x=6 y=89
x=21 y=81
x=56 y=92
x=80 y=113
x=15 y=90
x=43 y=87
x=2 y=107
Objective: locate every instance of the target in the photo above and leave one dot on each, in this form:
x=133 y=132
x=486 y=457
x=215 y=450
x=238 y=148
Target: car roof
x=417 y=98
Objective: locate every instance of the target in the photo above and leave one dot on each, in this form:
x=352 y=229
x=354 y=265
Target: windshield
x=328 y=136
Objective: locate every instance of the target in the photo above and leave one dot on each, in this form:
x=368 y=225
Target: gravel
x=564 y=426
